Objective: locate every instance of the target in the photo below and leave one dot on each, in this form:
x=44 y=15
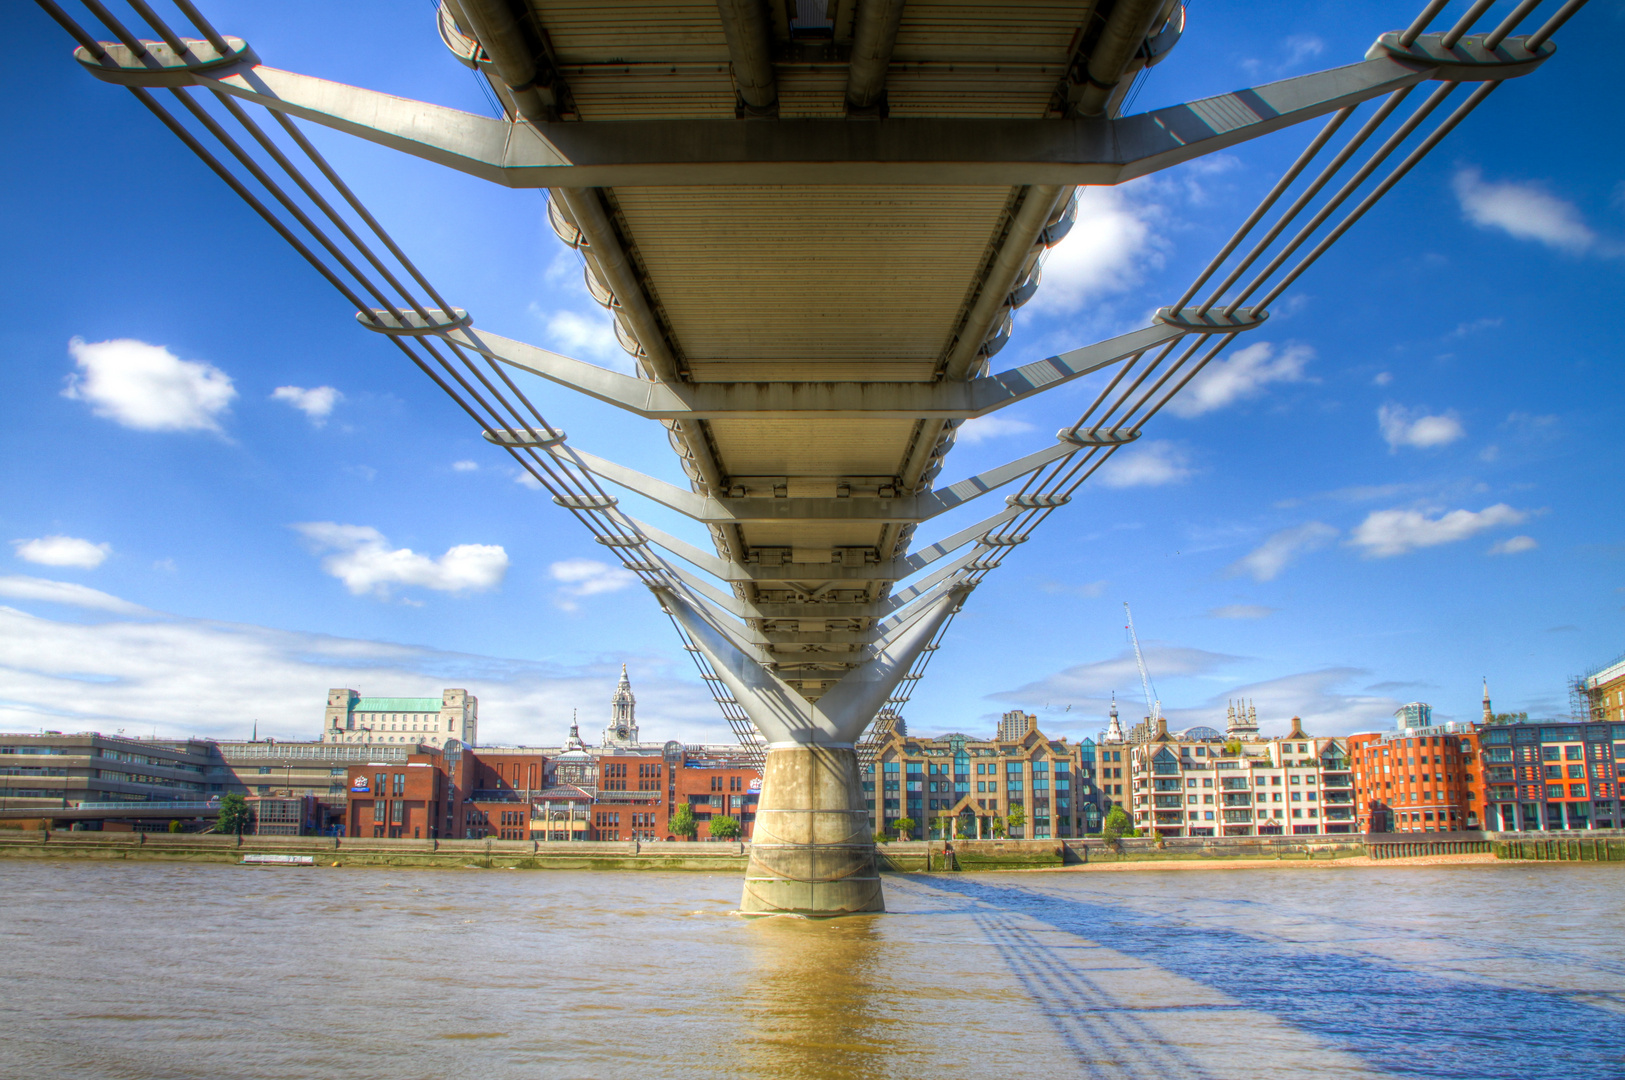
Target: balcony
x=1238 y=798
x=1169 y=801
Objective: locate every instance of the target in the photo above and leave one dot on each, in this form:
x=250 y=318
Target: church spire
x=623 y=718
x=1489 y=715
x=1114 y=730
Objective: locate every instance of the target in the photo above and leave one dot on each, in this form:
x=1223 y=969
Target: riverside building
x=1603 y=692
x=1200 y=784
x=1547 y=775
x=1423 y=779
x=53 y=770
x=956 y=785
x=401 y=721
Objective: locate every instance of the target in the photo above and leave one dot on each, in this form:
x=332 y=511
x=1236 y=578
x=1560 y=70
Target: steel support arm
x=784 y=716
x=885 y=570
x=906 y=508
x=949 y=400
x=652 y=153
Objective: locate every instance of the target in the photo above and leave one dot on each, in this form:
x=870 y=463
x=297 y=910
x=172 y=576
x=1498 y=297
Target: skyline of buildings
x=1499 y=772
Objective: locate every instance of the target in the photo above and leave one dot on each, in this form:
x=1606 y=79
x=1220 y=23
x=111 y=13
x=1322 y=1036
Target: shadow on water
x=811 y=1007
x=1391 y=1019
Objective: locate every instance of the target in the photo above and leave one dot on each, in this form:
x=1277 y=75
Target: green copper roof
x=397 y=704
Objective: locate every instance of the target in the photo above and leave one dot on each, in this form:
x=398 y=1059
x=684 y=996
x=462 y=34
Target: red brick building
x=1418 y=780
x=714 y=786
x=416 y=800
x=634 y=796
x=516 y=794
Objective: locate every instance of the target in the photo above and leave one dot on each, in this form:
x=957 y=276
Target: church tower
x=1241 y=720
x=1114 y=730
x=623 y=720
x=1489 y=714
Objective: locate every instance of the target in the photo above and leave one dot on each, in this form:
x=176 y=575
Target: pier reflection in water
x=162 y=970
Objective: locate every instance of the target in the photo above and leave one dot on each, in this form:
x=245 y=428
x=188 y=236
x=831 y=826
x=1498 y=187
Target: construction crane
x=1151 y=703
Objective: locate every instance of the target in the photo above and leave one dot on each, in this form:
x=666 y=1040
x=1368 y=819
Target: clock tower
x=623 y=721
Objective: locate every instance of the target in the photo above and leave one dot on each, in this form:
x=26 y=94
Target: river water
x=144 y=970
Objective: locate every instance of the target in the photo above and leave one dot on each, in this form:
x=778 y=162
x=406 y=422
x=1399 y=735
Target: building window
x=400 y=784
x=1577 y=791
x=397 y=810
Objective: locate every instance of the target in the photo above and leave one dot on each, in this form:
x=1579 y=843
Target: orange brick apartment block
x=1419 y=780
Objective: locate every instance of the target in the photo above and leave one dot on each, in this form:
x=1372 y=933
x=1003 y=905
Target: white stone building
x=397 y=721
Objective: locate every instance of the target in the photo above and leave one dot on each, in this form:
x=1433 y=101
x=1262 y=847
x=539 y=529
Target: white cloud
x=1382 y=378
x=316 y=403
x=1386 y=533
x=63 y=551
x=196 y=677
x=1414 y=427
x=1464 y=329
x=1295 y=50
x=1275 y=554
x=1089 y=589
x=364 y=561
x=1241 y=611
x=589 y=336
x=464 y=466
x=527 y=480
x=981 y=428
x=1301 y=47
x=1311 y=695
x=1514 y=545
x=22 y=587
x=1243 y=374
x=1106 y=252
x=1088 y=683
x=1074 y=701
x=147 y=387
x=1147 y=465
x=1522 y=211
x=587 y=577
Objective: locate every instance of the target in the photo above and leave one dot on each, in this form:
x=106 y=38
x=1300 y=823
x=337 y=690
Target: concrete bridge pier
x=813 y=852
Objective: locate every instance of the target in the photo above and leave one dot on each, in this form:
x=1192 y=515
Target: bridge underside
x=811 y=224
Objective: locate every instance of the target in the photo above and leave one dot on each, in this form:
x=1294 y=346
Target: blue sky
x=1408 y=480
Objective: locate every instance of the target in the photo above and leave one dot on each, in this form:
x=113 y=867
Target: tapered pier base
x=813 y=853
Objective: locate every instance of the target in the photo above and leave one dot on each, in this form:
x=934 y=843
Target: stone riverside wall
x=1600 y=845
x=897 y=857
x=359 y=851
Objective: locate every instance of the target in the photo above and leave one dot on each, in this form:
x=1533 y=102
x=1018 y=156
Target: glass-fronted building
x=1546 y=775
x=1022 y=785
